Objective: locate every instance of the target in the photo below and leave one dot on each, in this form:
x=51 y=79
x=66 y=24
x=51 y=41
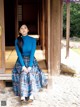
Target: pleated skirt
x=24 y=84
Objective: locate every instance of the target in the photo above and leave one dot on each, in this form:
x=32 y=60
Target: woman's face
x=24 y=30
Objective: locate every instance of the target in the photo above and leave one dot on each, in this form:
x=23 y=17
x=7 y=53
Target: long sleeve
x=32 y=53
x=19 y=54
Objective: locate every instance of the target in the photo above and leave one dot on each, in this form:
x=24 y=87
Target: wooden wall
x=30 y=16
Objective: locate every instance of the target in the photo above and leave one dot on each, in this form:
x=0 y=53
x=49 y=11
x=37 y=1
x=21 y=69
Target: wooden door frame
x=2 y=69
x=2 y=24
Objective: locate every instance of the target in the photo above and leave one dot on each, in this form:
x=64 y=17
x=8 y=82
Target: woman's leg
x=16 y=82
x=24 y=84
x=40 y=77
x=33 y=86
x=27 y=86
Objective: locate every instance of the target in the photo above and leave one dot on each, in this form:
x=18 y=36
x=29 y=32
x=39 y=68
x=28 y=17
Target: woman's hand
x=29 y=68
x=25 y=69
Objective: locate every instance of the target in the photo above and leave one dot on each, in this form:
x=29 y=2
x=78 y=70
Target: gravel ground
x=64 y=93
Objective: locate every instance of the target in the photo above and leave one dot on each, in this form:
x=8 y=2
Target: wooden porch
x=11 y=57
x=50 y=31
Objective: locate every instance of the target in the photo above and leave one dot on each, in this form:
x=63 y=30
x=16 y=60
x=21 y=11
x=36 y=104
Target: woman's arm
x=32 y=52
x=19 y=53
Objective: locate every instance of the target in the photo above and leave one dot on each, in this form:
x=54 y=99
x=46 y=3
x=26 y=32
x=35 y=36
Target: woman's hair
x=20 y=40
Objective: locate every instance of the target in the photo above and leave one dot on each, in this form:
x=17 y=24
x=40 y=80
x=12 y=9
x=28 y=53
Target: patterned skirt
x=26 y=83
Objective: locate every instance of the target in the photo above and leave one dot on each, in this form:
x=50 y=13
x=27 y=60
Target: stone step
x=5 y=76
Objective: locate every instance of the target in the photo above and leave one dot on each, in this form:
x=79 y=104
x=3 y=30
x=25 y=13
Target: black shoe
x=27 y=98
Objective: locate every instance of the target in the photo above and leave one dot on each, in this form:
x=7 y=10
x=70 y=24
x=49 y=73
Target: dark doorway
x=9 y=9
x=30 y=14
x=27 y=12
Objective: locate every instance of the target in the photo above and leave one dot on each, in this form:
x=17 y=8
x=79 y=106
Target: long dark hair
x=20 y=42
x=20 y=39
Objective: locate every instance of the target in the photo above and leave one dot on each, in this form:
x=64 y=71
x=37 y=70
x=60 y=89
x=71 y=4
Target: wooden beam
x=67 y=29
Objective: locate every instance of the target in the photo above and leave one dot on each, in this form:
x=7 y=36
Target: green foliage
x=74 y=20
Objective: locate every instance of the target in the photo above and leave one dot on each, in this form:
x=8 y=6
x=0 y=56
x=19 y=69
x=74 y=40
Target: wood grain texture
x=2 y=37
x=11 y=57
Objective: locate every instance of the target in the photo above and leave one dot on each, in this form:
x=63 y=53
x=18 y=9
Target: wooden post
x=67 y=29
x=61 y=19
x=2 y=36
x=43 y=24
x=46 y=29
x=48 y=49
x=54 y=16
x=55 y=36
x=40 y=23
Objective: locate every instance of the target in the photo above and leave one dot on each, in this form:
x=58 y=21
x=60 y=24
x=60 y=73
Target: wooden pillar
x=2 y=42
x=43 y=25
x=2 y=37
x=47 y=32
x=55 y=37
x=67 y=29
x=40 y=22
x=61 y=19
x=48 y=48
x=46 y=29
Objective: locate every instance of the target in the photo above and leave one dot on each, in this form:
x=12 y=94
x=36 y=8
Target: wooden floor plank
x=11 y=58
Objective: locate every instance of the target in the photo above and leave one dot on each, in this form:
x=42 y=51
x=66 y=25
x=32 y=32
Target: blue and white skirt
x=26 y=83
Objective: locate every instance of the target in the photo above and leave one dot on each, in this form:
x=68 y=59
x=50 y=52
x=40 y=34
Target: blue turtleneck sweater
x=28 y=48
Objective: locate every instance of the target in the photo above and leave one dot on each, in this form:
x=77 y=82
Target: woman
x=27 y=77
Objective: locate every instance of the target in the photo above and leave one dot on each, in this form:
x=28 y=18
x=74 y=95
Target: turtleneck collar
x=24 y=36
